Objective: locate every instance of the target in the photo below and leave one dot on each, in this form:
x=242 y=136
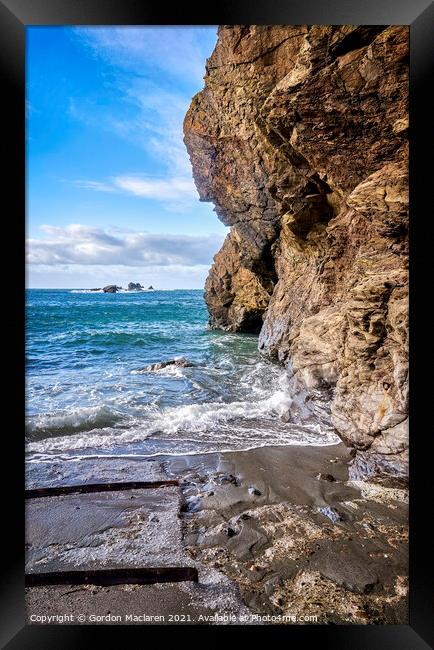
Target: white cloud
x=77 y=244
x=156 y=123
x=95 y=185
x=152 y=104
x=90 y=276
x=157 y=188
x=177 y=193
x=179 y=51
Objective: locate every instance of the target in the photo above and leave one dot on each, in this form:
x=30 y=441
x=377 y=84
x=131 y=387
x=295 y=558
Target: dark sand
x=273 y=532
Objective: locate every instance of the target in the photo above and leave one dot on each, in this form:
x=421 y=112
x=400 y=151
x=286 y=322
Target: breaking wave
x=261 y=418
x=79 y=420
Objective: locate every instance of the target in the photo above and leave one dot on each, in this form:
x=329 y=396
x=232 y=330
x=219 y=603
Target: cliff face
x=299 y=138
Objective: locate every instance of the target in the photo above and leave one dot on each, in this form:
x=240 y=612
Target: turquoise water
x=89 y=393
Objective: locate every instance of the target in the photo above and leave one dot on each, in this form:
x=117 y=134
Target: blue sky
x=110 y=195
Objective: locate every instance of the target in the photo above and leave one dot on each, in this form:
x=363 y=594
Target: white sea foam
x=200 y=427
x=86 y=291
x=171 y=369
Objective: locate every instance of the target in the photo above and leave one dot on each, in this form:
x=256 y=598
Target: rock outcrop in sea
x=178 y=362
x=299 y=138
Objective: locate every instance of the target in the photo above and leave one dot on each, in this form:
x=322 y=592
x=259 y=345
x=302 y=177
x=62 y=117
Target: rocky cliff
x=299 y=138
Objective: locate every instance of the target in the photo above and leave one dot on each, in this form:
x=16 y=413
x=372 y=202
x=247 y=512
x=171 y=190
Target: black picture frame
x=15 y=16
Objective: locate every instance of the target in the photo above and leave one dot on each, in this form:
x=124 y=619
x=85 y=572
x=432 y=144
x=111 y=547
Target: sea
x=90 y=392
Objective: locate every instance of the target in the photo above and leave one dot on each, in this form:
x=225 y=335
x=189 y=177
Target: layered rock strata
x=299 y=138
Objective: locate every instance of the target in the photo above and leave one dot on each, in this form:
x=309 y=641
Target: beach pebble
x=332 y=514
x=255 y=491
x=230 y=478
x=326 y=477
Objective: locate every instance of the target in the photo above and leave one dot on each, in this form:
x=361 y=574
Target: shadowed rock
x=111 y=288
x=135 y=286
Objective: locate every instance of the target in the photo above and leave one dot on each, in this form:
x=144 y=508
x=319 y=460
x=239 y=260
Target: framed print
x=217 y=317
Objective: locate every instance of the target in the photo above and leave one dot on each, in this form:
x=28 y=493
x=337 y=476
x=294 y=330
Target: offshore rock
x=299 y=138
x=135 y=286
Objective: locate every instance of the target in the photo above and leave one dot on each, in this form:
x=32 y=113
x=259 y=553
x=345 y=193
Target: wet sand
x=274 y=532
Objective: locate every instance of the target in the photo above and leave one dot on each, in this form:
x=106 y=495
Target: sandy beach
x=277 y=534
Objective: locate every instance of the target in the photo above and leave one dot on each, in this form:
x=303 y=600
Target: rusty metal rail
x=107 y=577
x=87 y=488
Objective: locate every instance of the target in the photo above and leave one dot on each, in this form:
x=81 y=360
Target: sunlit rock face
x=299 y=138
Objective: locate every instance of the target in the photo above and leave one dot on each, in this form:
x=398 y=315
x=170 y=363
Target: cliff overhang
x=299 y=138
